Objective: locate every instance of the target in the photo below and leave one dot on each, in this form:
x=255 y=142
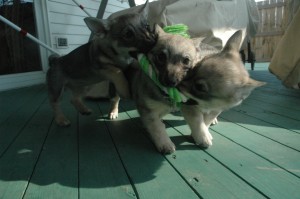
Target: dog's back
x=52 y=60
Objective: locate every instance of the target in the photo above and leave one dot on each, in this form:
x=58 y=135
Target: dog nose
x=171 y=82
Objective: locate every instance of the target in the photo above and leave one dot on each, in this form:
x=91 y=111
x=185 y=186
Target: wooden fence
x=274 y=18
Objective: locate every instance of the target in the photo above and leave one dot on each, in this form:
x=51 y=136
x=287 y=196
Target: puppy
x=216 y=83
x=103 y=58
x=173 y=56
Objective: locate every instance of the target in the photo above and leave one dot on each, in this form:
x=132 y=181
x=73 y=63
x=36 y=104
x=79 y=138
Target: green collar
x=175 y=96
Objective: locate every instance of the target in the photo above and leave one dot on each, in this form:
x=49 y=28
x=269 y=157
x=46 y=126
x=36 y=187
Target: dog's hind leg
x=78 y=93
x=55 y=84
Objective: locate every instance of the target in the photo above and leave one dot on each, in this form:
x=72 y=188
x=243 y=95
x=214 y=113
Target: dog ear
x=234 y=42
x=97 y=26
x=144 y=11
x=197 y=41
x=251 y=83
x=243 y=91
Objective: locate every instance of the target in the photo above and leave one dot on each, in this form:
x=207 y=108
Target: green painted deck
x=255 y=152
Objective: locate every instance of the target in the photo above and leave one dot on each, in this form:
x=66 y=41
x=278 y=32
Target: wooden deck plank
x=287 y=112
x=13 y=125
x=273 y=132
x=16 y=98
x=277 y=100
x=101 y=173
x=206 y=174
x=17 y=164
x=274 y=152
x=200 y=170
x=151 y=173
x=270 y=117
x=255 y=150
x=253 y=169
x=56 y=172
x=273 y=86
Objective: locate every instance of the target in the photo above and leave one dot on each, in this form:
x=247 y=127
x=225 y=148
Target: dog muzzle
x=175 y=96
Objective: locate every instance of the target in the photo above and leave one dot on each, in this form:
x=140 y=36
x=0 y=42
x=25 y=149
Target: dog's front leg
x=199 y=130
x=114 y=102
x=78 y=93
x=157 y=131
x=114 y=107
x=117 y=77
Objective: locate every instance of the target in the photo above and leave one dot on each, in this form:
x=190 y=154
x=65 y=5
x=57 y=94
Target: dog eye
x=186 y=61
x=161 y=57
x=201 y=86
x=128 y=34
x=186 y=68
x=147 y=27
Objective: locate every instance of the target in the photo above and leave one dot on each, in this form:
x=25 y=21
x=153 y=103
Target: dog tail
x=53 y=59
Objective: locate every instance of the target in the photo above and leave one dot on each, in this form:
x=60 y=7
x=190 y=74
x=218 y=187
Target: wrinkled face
x=133 y=31
x=172 y=57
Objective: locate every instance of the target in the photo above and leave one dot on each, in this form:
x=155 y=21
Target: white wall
x=66 y=20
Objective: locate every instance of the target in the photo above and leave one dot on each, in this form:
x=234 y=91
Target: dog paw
x=166 y=147
x=62 y=121
x=113 y=115
x=81 y=108
x=85 y=111
x=203 y=140
x=215 y=121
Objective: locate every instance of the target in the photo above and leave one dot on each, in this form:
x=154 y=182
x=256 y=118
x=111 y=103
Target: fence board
x=273 y=22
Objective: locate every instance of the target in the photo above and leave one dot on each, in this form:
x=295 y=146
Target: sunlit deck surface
x=255 y=152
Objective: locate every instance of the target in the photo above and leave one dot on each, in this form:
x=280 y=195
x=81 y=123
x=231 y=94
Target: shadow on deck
x=255 y=152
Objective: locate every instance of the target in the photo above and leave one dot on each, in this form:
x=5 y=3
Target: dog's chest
x=162 y=106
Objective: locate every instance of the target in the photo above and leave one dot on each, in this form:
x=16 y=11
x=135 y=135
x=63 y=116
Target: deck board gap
x=287 y=105
x=237 y=175
x=120 y=157
x=21 y=129
x=272 y=112
x=274 y=124
x=184 y=179
x=249 y=129
x=224 y=165
x=22 y=102
x=173 y=166
x=298 y=176
x=37 y=159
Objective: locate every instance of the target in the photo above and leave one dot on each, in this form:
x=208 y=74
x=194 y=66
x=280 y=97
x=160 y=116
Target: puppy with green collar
x=171 y=59
x=211 y=85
